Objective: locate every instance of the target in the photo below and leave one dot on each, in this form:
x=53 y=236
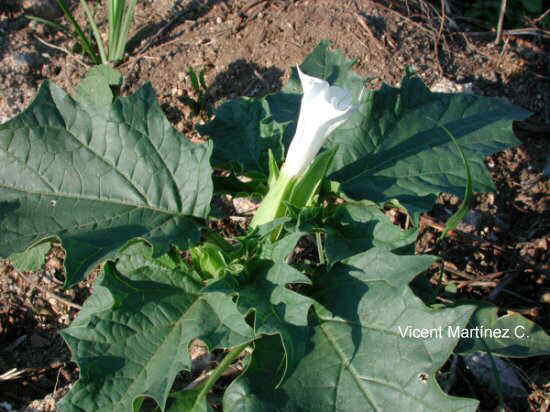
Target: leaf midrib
x=358 y=378
x=147 y=206
x=88 y=148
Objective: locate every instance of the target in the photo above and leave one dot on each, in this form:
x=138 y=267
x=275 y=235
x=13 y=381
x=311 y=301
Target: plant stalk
x=320 y=249
x=228 y=360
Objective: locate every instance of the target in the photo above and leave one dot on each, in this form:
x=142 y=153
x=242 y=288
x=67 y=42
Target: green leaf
x=518 y=336
x=391 y=148
x=98 y=176
x=309 y=183
x=332 y=66
x=189 y=401
x=273 y=169
x=278 y=310
x=253 y=390
x=280 y=250
x=357 y=359
x=459 y=215
x=131 y=338
x=356 y=227
x=255 y=126
x=209 y=258
x=31 y=258
x=95 y=88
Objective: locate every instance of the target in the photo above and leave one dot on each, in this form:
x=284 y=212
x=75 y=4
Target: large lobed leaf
x=277 y=309
x=518 y=337
x=131 y=338
x=391 y=148
x=252 y=126
x=357 y=227
x=96 y=176
x=357 y=359
x=395 y=148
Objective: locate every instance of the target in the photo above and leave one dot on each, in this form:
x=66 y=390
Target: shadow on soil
x=243 y=78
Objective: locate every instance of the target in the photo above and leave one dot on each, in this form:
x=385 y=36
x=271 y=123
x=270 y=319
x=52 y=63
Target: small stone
x=218 y=20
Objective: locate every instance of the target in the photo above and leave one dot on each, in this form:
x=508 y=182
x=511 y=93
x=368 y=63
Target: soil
x=246 y=48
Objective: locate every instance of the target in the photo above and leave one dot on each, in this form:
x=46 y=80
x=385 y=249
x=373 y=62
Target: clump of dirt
x=246 y=48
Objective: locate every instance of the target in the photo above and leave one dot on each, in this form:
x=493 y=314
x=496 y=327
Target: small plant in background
x=120 y=15
x=198 y=83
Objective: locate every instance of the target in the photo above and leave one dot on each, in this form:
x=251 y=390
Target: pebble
x=445 y=85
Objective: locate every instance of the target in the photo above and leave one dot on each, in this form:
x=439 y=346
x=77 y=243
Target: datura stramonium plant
x=322 y=110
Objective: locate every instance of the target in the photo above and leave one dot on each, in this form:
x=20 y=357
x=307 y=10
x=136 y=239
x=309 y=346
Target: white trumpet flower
x=322 y=110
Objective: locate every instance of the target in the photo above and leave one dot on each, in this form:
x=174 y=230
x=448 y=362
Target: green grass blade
x=202 y=80
x=455 y=219
x=111 y=22
x=84 y=40
x=114 y=35
x=96 y=32
x=194 y=80
x=127 y=20
x=48 y=23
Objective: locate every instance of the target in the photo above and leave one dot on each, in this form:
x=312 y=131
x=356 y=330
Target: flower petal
x=323 y=108
x=312 y=85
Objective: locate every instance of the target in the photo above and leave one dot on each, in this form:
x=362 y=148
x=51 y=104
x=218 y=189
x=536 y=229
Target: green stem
x=228 y=360
x=320 y=250
x=272 y=205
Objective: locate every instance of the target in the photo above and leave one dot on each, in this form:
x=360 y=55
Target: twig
x=230 y=371
x=474 y=283
x=500 y=20
x=53 y=46
x=53 y=295
x=11 y=374
x=460 y=273
x=495 y=275
x=438 y=38
x=542 y=16
x=514 y=32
